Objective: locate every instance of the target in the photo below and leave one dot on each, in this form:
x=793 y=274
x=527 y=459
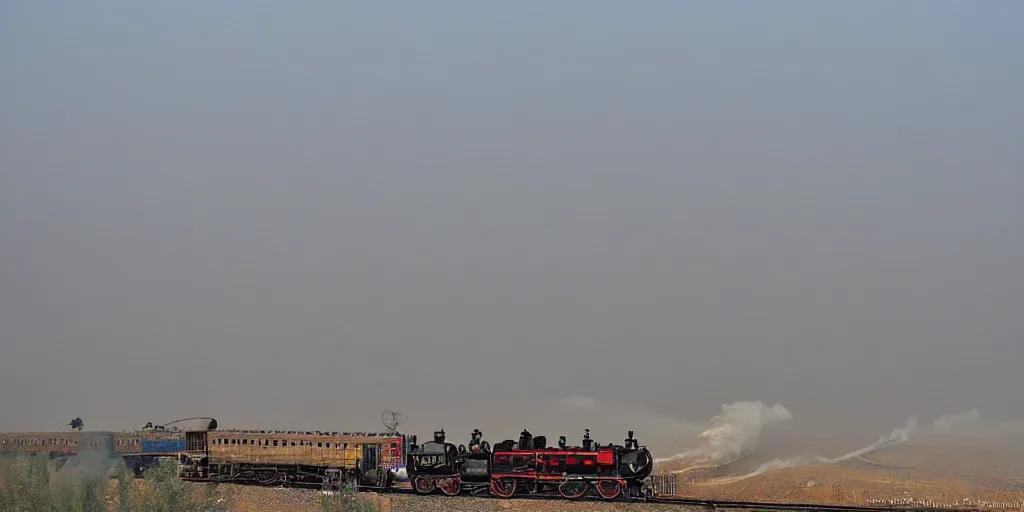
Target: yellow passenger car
x=307 y=459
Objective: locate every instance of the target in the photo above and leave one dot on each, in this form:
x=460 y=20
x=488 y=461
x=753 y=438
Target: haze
x=296 y=215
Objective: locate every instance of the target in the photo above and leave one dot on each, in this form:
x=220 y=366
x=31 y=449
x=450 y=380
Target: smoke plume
x=897 y=436
x=580 y=402
x=944 y=428
x=971 y=424
x=90 y=463
x=734 y=432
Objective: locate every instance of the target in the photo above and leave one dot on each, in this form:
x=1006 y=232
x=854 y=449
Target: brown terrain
x=252 y=498
x=935 y=474
x=986 y=474
x=262 y=499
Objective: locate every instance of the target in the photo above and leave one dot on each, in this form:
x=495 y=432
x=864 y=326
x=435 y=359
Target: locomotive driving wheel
x=572 y=489
x=451 y=486
x=423 y=485
x=608 y=489
x=503 y=487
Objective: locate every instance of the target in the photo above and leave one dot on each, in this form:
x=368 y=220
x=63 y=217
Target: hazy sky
x=298 y=214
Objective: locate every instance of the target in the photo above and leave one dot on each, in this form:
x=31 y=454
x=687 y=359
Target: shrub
x=165 y=492
x=28 y=485
x=348 y=500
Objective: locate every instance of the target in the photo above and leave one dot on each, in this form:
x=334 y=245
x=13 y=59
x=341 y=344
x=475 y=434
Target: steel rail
x=703 y=503
x=763 y=505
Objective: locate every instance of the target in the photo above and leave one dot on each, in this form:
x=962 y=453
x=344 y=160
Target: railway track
x=755 y=505
x=716 y=504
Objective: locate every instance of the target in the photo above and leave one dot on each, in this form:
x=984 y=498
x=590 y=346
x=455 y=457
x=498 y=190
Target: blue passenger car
x=165 y=444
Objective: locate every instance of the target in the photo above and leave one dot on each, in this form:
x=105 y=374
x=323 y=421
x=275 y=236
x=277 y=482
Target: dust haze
x=741 y=433
x=791 y=223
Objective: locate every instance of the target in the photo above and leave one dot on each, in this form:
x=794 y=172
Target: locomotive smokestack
x=525 y=440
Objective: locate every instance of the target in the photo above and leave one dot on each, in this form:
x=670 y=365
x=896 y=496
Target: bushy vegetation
x=28 y=484
x=348 y=500
x=165 y=492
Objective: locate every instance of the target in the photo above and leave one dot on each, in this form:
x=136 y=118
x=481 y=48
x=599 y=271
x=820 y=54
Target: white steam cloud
x=969 y=423
x=897 y=436
x=581 y=402
x=734 y=433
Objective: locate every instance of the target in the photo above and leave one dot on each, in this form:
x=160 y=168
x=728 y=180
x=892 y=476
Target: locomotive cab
x=438 y=464
x=433 y=457
x=431 y=460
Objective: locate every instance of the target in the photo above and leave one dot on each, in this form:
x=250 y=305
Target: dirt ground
x=263 y=499
x=928 y=474
x=978 y=475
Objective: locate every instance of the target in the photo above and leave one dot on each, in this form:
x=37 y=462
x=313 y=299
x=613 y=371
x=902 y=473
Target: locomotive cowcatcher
x=529 y=466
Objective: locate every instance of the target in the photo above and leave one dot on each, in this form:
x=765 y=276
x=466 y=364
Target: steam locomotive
x=529 y=466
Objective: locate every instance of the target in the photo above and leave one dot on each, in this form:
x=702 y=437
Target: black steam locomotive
x=529 y=466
